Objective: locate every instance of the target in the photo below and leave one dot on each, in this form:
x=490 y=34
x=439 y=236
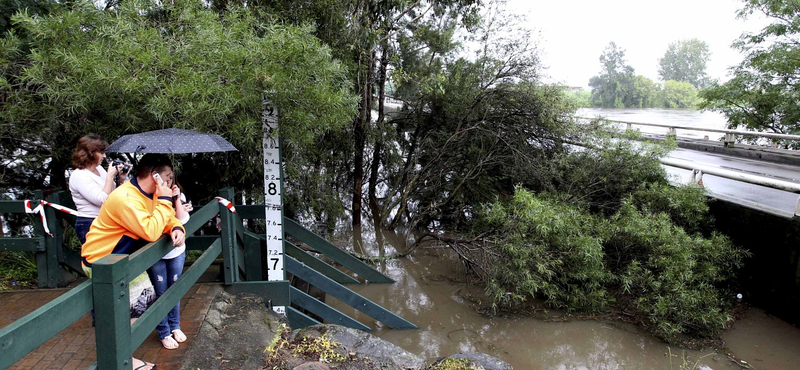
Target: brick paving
x=74 y=347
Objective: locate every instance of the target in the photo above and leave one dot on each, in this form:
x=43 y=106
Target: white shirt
x=181 y=248
x=87 y=190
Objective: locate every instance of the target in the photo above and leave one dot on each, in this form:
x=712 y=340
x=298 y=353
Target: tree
x=764 y=93
x=617 y=86
x=139 y=67
x=677 y=94
x=608 y=89
x=685 y=61
x=473 y=127
x=366 y=36
x=641 y=93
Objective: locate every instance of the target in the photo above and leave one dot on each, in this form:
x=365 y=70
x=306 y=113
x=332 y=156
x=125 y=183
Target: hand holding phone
x=158 y=179
x=161 y=187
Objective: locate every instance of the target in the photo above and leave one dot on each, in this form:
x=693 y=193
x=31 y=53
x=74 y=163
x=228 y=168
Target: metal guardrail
x=730 y=135
x=699 y=170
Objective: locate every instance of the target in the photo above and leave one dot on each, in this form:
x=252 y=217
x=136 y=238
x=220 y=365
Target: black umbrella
x=170 y=141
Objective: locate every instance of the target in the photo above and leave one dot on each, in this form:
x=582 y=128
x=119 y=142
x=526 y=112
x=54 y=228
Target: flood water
x=430 y=291
x=677 y=117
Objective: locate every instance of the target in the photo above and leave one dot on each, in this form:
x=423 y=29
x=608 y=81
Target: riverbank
x=240 y=332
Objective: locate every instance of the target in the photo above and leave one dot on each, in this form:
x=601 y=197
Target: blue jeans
x=82 y=225
x=163 y=274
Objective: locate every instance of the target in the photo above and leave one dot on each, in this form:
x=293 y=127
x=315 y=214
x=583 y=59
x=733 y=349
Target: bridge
x=762 y=178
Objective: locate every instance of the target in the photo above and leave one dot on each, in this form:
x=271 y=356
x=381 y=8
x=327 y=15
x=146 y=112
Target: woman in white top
x=169 y=268
x=89 y=183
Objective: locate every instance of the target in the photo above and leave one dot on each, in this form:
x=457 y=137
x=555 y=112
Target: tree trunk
x=376 y=154
x=359 y=133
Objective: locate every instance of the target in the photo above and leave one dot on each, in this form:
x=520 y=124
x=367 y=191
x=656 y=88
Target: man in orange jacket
x=134 y=214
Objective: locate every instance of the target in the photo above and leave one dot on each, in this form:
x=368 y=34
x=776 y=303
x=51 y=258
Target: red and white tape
x=227 y=204
x=39 y=209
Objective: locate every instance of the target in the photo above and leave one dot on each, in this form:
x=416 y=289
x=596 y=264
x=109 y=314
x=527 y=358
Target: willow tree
x=147 y=65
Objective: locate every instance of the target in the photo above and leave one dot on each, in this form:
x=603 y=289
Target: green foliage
x=686 y=205
x=11 y=7
x=602 y=172
x=685 y=61
x=581 y=98
x=617 y=86
x=641 y=93
x=608 y=88
x=139 y=68
x=545 y=249
x=18 y=268
x=648 y=258
x=673 y=279
x=677 y=94
x=763 y=93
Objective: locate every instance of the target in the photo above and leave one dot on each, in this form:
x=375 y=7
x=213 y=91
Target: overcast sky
x=574 y=33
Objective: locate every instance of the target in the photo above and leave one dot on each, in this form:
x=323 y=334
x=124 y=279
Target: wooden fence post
x=228 y=234
x=112 y=312
x=47 y=260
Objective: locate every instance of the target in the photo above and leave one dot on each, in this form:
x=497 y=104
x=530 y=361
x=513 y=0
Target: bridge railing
x=729 y=139
x=50 y=251
x=698 y=170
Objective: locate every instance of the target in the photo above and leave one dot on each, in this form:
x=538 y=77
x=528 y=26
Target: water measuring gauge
x=273 y=199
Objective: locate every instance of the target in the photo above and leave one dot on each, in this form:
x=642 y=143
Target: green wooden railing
x=107 y=291
x=51 y=252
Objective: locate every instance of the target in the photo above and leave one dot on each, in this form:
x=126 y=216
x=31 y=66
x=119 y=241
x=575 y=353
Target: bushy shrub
x=545 y=249
x=686 y=205
x=672 y=280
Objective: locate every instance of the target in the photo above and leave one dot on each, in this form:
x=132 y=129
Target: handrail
x=699 y=170
x=32 y=330
x=733 y=175
x=770 y=135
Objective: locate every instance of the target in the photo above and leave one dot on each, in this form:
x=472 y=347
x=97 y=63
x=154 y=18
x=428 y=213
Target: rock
x=383 y=354
x=234 y=334
x=485 y=361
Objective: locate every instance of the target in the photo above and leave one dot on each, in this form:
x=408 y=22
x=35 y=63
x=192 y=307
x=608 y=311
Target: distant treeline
x=645 y=94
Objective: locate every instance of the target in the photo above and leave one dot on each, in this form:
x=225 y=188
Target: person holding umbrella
x=138 y=212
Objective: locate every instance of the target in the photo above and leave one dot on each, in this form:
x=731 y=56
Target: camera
x=125 y=166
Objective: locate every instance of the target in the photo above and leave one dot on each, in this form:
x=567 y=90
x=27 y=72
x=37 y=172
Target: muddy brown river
x=430 y=291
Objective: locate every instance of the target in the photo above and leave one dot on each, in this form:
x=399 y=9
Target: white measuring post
x=273 y=198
